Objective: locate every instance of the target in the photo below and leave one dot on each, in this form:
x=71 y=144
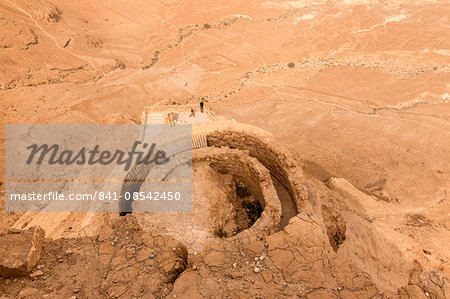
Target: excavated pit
x=243 y=183
x=232 y=193
x=256 y=204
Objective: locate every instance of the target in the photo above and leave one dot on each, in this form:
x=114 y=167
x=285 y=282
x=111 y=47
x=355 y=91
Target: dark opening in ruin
x=248 y=208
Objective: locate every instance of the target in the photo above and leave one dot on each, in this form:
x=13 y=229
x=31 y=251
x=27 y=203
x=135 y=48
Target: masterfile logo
x=90 y=157
x=97 y=168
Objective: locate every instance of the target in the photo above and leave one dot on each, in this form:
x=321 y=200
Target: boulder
x=20 y=251
x=186 y=286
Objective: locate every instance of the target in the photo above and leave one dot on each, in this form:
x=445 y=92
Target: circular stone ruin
x=244 y=182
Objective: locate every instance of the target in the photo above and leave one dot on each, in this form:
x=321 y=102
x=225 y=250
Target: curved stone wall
x=275 y=159
x=260 y=146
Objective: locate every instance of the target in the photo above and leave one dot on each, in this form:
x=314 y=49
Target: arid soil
x=357 y=89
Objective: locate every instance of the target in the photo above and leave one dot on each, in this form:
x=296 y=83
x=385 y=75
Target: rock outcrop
x=20 y=251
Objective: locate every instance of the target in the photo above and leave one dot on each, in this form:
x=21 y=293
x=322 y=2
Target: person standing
x=201 y=106
x=171 y=120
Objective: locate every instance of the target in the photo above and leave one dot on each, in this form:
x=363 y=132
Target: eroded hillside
x=356 y=89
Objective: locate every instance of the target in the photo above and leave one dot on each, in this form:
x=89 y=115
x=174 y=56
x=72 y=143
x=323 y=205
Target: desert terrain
x=357 y=90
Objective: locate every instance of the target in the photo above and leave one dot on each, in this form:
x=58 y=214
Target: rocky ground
x=358 y=89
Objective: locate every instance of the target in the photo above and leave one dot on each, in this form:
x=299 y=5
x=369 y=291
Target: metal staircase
x=184 y=144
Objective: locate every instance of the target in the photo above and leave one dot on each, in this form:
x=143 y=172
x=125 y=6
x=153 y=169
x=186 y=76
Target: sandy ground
x=360 y=89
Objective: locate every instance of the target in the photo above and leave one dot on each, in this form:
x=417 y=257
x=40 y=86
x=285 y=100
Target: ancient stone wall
x=261 y=145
